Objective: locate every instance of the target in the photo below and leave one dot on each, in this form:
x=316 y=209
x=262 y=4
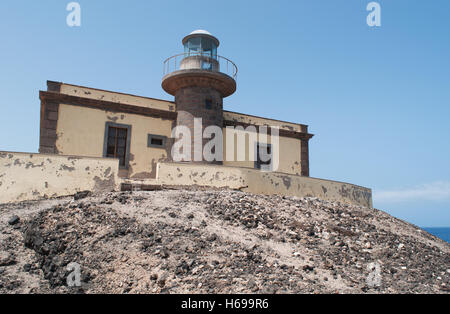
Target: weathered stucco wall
x=289 y=151
x=25 y=176
x=294 y=141
x=254 y=181
x=81 y=131
x=98 y=94
x=248 y=119
x=73 y=122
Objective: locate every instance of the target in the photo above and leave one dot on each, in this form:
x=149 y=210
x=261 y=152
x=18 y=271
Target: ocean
x=443 y=233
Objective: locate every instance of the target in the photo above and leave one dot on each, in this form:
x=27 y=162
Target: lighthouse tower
x=199 y=79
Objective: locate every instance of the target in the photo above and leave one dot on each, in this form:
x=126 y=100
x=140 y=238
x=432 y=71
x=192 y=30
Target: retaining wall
x=255 y=181
x=27 y=176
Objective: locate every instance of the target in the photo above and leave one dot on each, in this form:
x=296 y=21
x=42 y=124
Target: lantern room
x=201 y=42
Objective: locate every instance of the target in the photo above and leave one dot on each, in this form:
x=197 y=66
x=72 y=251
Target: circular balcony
x=199 y=69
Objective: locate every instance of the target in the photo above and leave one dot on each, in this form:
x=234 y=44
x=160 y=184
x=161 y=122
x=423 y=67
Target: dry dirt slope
x=179 y=241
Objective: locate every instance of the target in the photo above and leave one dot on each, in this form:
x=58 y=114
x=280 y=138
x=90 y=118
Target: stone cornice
x=282 y=132
x=106 y=105
x=150 y=112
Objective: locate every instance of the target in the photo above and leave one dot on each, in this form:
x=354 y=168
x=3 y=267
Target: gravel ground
x=220 y=241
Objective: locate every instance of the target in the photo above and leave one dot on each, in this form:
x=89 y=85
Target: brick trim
x=48 y=124
x=282 y=132
x=54 y=83
x=50 y=101
x=54 y=86
x=304 y=158
x=303 y=127
x=55 y=98
x=106 y=105
x=303 y=137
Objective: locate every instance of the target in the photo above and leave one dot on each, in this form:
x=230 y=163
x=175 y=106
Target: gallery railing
x=226 y=66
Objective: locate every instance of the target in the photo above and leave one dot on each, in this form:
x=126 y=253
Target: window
x=157 y=141
x=206 y=65
x=208 y=103
x=263 y=156
x=193 y=46
x=200 y=46
x=117 y=142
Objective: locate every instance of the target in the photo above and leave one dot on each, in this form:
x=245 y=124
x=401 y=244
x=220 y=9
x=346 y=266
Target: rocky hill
x=221 y=241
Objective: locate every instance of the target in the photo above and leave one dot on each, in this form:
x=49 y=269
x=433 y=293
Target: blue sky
x=378 y=99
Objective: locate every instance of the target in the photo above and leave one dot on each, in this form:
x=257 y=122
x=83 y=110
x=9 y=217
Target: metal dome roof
x=201 y=32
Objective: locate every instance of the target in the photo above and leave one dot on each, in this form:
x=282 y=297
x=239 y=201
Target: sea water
x=443 y=233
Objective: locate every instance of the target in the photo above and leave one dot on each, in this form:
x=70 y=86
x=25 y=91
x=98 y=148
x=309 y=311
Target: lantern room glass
x=200 y=46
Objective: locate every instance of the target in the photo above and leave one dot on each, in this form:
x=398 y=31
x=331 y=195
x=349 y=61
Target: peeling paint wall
x=81 y=131
x=289 y=156
x=248 y=119
x=25 y=176
x=254 y=181
x=97 y=94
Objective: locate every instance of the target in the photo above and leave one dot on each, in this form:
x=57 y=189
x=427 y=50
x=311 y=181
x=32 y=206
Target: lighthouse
x=199 y=79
